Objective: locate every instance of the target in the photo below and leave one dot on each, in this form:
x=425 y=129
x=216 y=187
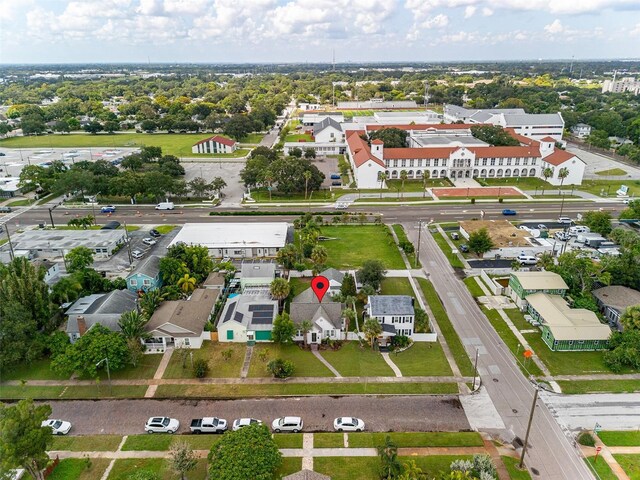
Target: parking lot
x=328 y=166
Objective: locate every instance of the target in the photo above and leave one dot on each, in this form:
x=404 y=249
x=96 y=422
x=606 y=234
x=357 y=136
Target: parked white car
x=348 y=424
x=58 y=427
x=149 y=241
x=287 y=424
x=162 y=425
x=239 y=423
x=525 y=259
x=137 y=254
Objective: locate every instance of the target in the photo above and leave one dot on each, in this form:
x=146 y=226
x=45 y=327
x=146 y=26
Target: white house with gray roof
x=395 y=313
x=326 y=317
x=335 y=278
x=100 y=308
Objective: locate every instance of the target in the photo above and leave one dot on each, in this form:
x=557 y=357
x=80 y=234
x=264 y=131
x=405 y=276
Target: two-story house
x=395 y=313
x=522 y=284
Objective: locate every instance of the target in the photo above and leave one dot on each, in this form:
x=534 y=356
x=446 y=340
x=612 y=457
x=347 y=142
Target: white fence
x=424 y=337
x=493 y=286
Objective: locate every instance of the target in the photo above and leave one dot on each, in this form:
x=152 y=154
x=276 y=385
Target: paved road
x=612 y=411
x=397 y=413
x=145 y=214
x=550 y=455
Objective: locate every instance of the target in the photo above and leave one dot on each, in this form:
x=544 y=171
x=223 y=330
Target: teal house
x=147 y=276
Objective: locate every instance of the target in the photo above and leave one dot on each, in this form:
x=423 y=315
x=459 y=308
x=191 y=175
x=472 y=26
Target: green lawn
x=212 y=353
x=19 y=392
x=602 y=468
x=103 y=390
x=20 y=203
x=178 y=144
x=449 y=333
x=447 y=250
x=612 y=172
x=36 y=370
x=328 y=440
x=298 y=389
x=630 y=464
x=396 y=286
x=608 y=188
x=123 y=468
x=596 y=386
x=620 y=439
x=306 y=364
x=159 y=442
x=262 y=196
x=351 y=360
x=86 y=443
x=528 y=366
x=416 y=185
x=524 y=183
x=512 y=467
x=164 y=229
x=416 y=439
x=355 y=244
x=79 y=469
x=288 y=440
x=402 y=237
x=348 y=468
x=301 y=138
x=289 y=466
x=422 y=359
x=146 y=368
x=436 y=464
x=299 y=285
x=473 y=287
x=252 y=138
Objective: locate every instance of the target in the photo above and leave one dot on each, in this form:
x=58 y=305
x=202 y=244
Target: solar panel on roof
x=227 y=316
x=261 y=308
x=238 y=317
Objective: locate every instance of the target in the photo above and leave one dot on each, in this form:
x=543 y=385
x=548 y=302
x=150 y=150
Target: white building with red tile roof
x=215 y=144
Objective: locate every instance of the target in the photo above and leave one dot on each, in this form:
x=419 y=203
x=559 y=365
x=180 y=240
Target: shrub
x=200 y=368
x=280 y=368
x=586 y=439
x=400 y=341
x=473 y=200
x=500 y=200
x=227 y=354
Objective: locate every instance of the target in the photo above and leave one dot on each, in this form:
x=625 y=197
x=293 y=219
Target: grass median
x=79 y=469
x=402 y=237
x=299 y=389
x=416 y=439
x=613 y=438
x=599 y=386
x=86 y=443
x=328 y=440
x=447 y=250
x=160 y=442
x=449 y=333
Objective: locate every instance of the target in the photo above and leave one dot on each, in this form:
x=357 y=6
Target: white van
x=165 y=206
x=578 y=229
x=525 y=259
x=565 y=220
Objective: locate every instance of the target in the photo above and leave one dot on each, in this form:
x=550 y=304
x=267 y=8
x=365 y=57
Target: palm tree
x=391 y=466
x=546 y=173
x=403 y=177
x=132 y=325
x=319 y=257
x=349 y=316
x=187 y=283
x=150 y=301
x=307 y=176
x=279 y=289
x=268 y=178
x=382 y=177
x=372 y=329
x=562 y=174
x=305 y=327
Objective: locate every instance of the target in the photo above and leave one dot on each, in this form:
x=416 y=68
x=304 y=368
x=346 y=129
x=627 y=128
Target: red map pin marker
x=320 y=285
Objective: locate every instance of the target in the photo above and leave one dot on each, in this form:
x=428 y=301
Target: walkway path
x=326 y=364
x=606 y=455
x=394 y=367
x=162 y=366
x=247 y=361
x=106 y=473
x=307 y=447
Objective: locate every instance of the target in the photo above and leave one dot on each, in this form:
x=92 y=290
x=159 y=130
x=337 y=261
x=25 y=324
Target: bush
x=586 y=439
x=500 y=200
x=280 y=368
x=400 y=341
x=473 y=200
x=200 y=368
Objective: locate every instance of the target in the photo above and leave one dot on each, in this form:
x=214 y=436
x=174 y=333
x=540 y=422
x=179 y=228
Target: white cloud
x=439 y=21
x=636 y=31
x=487 y=12
x=555 y=27
x=470 y=11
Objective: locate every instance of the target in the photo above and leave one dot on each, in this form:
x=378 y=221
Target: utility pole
x=126 y=239
x=526 y=437
x=419 y=240
x=51 y=217
x=475 y=369
x=11 y=253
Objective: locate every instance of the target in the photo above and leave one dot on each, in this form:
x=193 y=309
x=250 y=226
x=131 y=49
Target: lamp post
x=106 y=360
x=51 y=217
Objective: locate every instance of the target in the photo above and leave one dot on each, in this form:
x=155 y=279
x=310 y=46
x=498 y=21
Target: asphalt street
x=380 y=414
x=550 y=454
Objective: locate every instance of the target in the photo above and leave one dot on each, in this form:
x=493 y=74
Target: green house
x=523 y=284
x=567 y=329
x=247 y=319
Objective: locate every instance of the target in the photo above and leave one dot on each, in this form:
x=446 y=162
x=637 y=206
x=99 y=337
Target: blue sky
x=43 y=31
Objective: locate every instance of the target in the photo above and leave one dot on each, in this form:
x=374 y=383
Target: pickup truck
x=208 y=425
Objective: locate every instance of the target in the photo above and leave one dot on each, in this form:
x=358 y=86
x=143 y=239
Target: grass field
x=328 y=440
x=178 y=144
x=297 y=389
x=422 y=359
x=36 y=370
x=159 y=442
x=396 y=286
x=86 y=443
x=416 y=185
x=79 y=469
x=288 y=440
x=447 y=250
x=449 y=333
x=474 y=288
x=212 y=353
x=164 y=229
x=523 y=183
x=612 y=172
x=416 y=439
x=630 y=464
x=601 y=468
x=302 y=138
x=351 y=360
x=146 y=368
x=595 y=386
x=124 y=468
x=607 y=188
x=289 y=466
x=318 y=196
x=355 y=244
x=306 y=364
x=402 y=237
x=19 y=392
x=620 y=439
x=514 y=472
x=20 y=203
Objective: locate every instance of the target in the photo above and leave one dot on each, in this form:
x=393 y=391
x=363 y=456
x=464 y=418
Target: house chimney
x=82 y=325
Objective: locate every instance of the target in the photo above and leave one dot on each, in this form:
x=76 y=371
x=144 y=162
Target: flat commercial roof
x=568 y=323
x=540 y=281
x=234 y=235
x=66 y=239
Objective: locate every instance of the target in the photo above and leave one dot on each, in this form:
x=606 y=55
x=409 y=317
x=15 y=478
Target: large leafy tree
x=371 y=273
x=98 y=343
x=182 y=458
x=79 y=258
x=348 y=287
x=23 y=441
x=195 y=258
x=18 y=330
x=392 y=137
x=597 y=221
x=630 y=319
x=580 y=273
x=289 y=175
x=251 y=452
x=493 y=135
x=480 y=242
x=283 y=329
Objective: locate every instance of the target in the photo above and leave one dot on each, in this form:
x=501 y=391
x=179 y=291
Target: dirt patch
x=503 y=233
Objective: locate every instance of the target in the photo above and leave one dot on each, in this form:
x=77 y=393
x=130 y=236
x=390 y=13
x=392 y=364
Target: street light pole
x=419 y=240
x=475 y=369
x=11 y=253
x=106 y=359
x=51 y=217
x=526 y=437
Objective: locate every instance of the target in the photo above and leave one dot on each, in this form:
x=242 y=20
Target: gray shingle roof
x=104 y=309
x=191 y=314
x=381 y=305
x=617 y=296
x=305 y=306
x=333 y=274
x=150 y=267
x=257 y=313
x=327 y=122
